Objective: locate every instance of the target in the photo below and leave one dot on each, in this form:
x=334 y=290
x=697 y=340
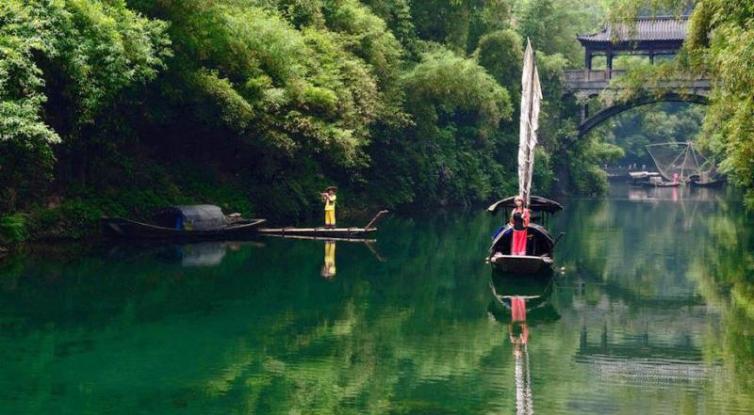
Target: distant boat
x=709 y=183
x=540 y=244
x=658 y=182
x=184 y=222
x=638 y=178
x=683 y=161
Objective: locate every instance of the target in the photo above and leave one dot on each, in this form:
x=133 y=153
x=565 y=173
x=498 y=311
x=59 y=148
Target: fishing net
x=674 y=159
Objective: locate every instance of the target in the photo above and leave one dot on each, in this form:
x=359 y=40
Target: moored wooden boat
x=327 y=233
x=321 y=238
x=638 y=178
x=661 y=184
x=319 y=232
x=126 y=228
x=709 y=184
x=183 y=222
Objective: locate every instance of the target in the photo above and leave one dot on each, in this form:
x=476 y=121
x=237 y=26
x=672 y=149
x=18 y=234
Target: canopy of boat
x=536 y=204
x=192 y=217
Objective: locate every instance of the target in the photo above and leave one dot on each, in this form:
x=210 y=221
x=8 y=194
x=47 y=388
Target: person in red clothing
x=519 y=221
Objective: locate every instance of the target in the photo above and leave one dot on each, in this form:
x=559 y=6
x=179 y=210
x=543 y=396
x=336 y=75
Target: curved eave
x=631 y=44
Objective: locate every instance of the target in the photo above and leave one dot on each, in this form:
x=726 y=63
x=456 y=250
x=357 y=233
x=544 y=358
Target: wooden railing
x=583 y=75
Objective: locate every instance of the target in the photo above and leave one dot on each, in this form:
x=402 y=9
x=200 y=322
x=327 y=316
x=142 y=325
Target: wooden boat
x=706 y=180
x=183 y=222
x=321 y=238
x=661 y=184
x=540 y=244
x=326 y=233
x=708 y=184
x=639 y=178
x=539 y=252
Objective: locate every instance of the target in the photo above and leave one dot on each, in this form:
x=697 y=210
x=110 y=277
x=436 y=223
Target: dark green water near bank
x=653 y=313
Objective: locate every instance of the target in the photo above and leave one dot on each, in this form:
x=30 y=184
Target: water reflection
x=674 y=194
x=328 y=267
x=653 y=315
x=515 y=298
x=205 y=254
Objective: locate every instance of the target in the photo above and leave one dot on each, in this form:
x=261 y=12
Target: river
x=650 y=311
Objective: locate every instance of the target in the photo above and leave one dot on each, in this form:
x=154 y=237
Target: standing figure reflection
x=520 y=304
x=328 y=267
x=518 y=332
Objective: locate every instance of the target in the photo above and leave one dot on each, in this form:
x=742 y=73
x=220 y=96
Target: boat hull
x=324 y=233
x=711 y=184
x=129 y=229
x=662 y=184
x=522 y=264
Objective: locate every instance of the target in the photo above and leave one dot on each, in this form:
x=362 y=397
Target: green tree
x=63 y=63
x=446 y=157
x=501 y=54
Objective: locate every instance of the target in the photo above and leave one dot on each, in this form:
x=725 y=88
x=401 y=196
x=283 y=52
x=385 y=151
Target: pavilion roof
x=643 y=29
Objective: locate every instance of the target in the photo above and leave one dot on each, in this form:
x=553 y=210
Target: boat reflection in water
x=521 y=304
x=204 y=254
x=194 y=254
x=328 y=267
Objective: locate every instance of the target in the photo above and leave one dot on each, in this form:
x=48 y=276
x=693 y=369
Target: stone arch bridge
x=653 y=37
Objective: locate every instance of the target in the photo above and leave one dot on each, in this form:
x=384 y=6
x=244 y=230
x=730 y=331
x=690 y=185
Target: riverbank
x=78 y=217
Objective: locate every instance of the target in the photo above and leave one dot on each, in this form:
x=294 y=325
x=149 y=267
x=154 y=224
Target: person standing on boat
x=329 y=198
x=519 y=221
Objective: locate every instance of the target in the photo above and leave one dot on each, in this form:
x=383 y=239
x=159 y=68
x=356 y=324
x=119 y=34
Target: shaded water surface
x=653 y=313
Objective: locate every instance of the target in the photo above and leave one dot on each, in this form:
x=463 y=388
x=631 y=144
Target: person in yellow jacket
x=329 y=198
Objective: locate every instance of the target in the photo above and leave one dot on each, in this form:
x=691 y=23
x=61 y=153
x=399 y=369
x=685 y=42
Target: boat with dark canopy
x=538 y=256
x=539 y=246
x=184 y=222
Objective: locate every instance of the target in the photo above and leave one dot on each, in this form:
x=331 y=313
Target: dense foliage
x=658 y=123
x=115 y=107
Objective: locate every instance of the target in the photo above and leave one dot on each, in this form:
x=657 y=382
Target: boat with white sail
x=537 y=257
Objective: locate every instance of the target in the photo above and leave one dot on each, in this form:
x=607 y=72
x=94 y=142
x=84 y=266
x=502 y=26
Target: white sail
x=531 y=100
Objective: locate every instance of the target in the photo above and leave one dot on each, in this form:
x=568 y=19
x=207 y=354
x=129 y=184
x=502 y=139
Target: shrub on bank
x=13 y=229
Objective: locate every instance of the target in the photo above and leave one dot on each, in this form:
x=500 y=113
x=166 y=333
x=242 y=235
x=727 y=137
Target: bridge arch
x=603 y=115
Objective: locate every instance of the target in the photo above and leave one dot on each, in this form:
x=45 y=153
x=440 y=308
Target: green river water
x=652 y=313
